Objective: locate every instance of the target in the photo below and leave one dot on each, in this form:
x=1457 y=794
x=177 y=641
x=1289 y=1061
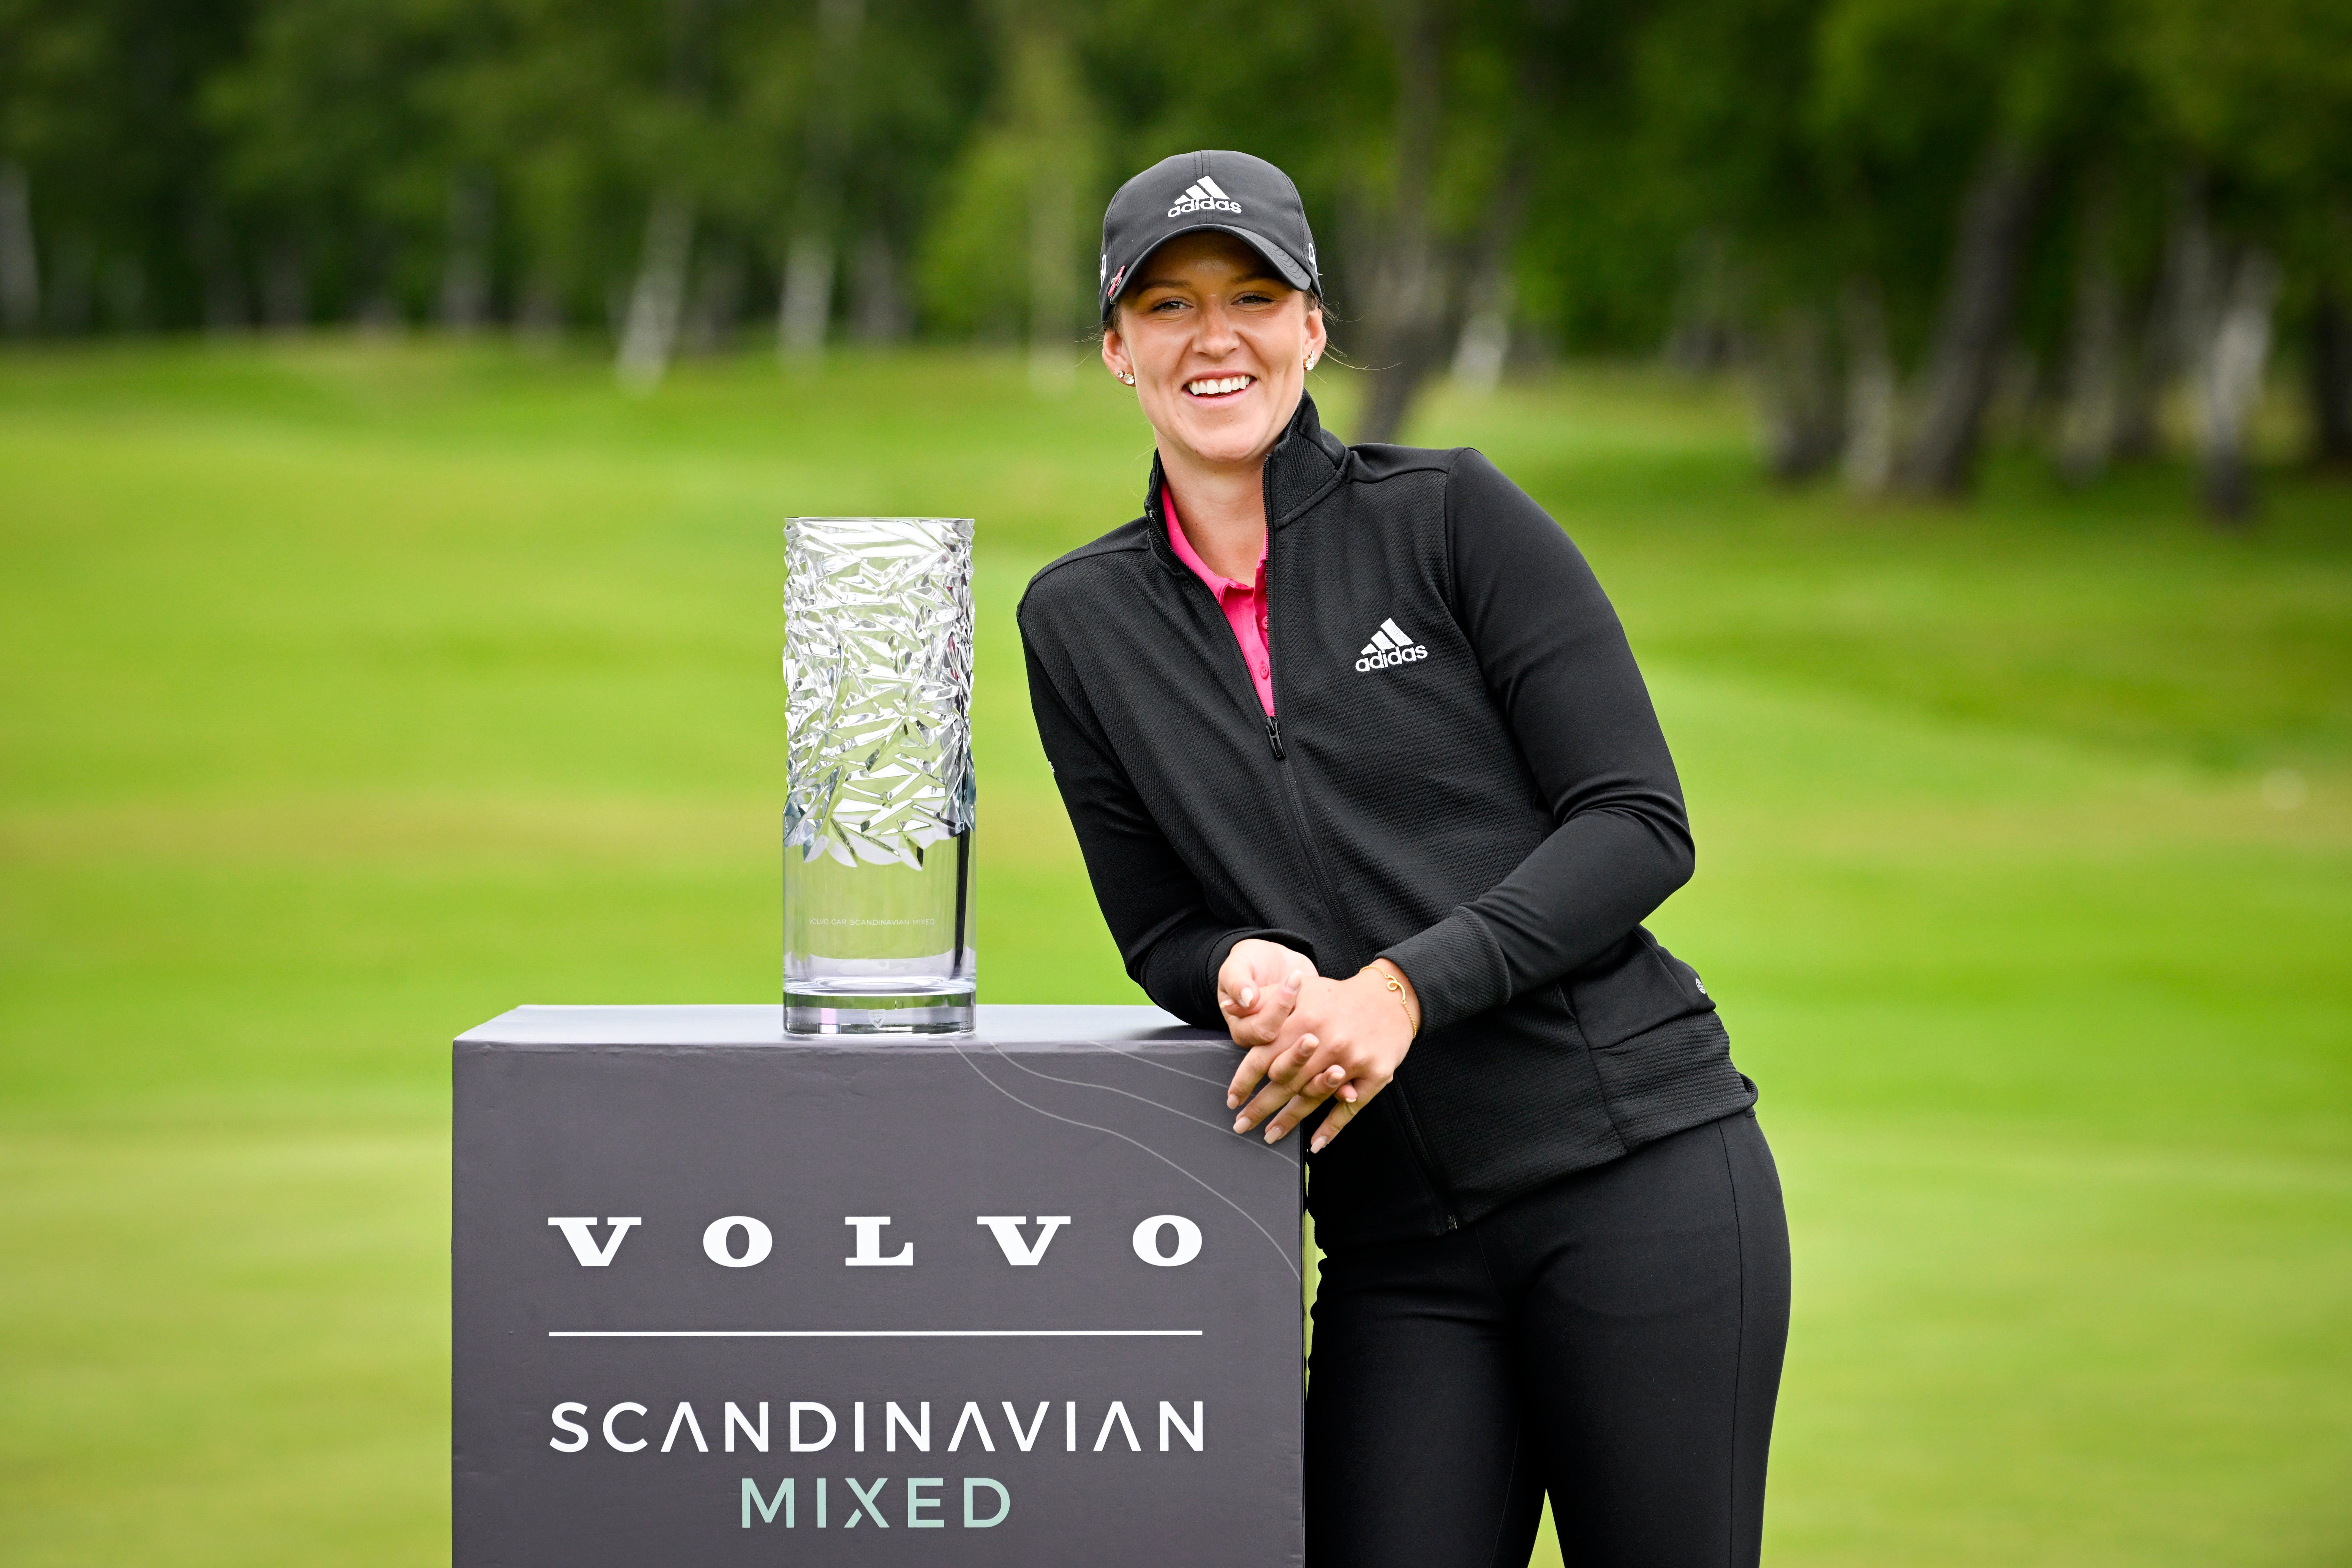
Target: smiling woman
x=1217 y=344
x=1365 y=774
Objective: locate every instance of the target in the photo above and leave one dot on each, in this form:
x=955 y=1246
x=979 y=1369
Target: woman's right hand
x=1257 y=987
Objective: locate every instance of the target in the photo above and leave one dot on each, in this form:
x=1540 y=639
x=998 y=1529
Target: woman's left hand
x=1343 y=1037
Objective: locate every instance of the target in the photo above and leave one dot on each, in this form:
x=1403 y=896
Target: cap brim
x=1281 y=260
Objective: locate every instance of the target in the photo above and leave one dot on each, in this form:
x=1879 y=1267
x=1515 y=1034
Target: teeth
x=1212 y=386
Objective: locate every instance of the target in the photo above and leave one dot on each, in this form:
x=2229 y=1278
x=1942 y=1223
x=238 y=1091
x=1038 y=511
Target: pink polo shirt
x=1244 y=603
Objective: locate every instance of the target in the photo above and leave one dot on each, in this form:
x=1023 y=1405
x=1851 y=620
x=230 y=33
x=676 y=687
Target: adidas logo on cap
x=1203 y=195
x=1391 y=645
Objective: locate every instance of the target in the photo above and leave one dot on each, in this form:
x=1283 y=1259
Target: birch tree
x=2257 y=95
x=20 y=262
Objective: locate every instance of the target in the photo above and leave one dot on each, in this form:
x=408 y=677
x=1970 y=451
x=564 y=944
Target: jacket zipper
x=1297 y=808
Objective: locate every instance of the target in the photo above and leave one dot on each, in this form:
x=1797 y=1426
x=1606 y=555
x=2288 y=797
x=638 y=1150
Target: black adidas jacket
x=1494 y=809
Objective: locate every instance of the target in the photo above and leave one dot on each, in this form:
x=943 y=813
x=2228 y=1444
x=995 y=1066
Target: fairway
x=354 y=690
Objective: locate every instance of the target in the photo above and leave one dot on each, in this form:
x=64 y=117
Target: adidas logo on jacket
x=1390 y=646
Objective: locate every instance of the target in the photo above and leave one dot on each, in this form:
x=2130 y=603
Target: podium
x=723 y=1295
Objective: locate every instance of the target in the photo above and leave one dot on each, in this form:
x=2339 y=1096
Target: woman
x=1364 y=772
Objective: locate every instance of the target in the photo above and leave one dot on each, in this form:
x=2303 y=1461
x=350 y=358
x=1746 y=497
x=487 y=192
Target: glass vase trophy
x=878 y=800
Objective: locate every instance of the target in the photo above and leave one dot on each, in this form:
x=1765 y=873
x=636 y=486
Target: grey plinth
x=725 y=1296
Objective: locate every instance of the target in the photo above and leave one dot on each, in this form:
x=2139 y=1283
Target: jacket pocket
x=1674 y=1076
x=1632 y=989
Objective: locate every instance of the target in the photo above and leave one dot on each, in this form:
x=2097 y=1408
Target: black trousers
x=1613 y=1339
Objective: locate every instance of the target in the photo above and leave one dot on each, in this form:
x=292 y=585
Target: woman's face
x=1218 y=344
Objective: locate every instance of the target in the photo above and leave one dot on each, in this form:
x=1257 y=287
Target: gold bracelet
x=1412 y=1025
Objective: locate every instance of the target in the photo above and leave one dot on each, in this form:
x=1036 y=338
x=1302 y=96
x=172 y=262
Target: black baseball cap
x=1234 y=193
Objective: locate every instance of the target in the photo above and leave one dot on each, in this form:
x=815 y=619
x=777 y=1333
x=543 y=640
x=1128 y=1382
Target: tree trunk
x=804 y=311
x=123 y=285
x=1702 y=334
x=1404 y=317
x=377 y=315
x=1048 y=108
x=538 y=313
x=1988 y=261
x=2087 y=429
x=71 y=296
x=2143 y=376
x=2228 y=383
x=1798 y=397
x=807 y=306
x=650 y=329
x=20 y=264
x=2168 y=331
x=1053 y=302
x=465 y=270
x=713 y=305
x=1485 y=342
x=285 y=288
x=1417 y=287
x=227 y=305
x=2331 y=379
x=877 y=305
x=1868 y=463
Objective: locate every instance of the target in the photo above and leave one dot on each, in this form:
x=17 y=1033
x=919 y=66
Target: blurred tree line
x=1899 y=215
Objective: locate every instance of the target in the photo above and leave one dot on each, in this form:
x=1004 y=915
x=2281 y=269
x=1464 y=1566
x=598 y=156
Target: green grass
x=352 y=692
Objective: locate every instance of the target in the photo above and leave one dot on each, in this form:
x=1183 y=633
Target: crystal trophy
x=878 y=796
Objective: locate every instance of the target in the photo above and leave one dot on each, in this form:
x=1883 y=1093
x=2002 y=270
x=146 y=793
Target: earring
x=1127 y=377
x=1311 y=361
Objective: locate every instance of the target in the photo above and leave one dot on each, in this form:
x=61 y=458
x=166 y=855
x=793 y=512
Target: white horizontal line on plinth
x=874 y=1333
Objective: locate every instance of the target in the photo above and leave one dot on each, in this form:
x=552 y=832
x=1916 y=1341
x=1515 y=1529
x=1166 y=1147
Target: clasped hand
x=1309 y=1039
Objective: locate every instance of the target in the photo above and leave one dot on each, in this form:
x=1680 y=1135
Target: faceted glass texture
x=880 y=796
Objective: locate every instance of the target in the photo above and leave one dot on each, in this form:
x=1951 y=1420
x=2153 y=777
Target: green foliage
x=336 y=138
x=183 y=163
x=2262 y=92
x=974 y=266
x=1012 y=246
x=99 y=101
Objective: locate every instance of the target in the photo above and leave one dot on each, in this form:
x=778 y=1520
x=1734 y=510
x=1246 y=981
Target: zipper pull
x=1273 y=735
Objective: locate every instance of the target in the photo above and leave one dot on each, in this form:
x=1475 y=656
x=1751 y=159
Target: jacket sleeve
x=1555 y=658
x=1172 y=942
